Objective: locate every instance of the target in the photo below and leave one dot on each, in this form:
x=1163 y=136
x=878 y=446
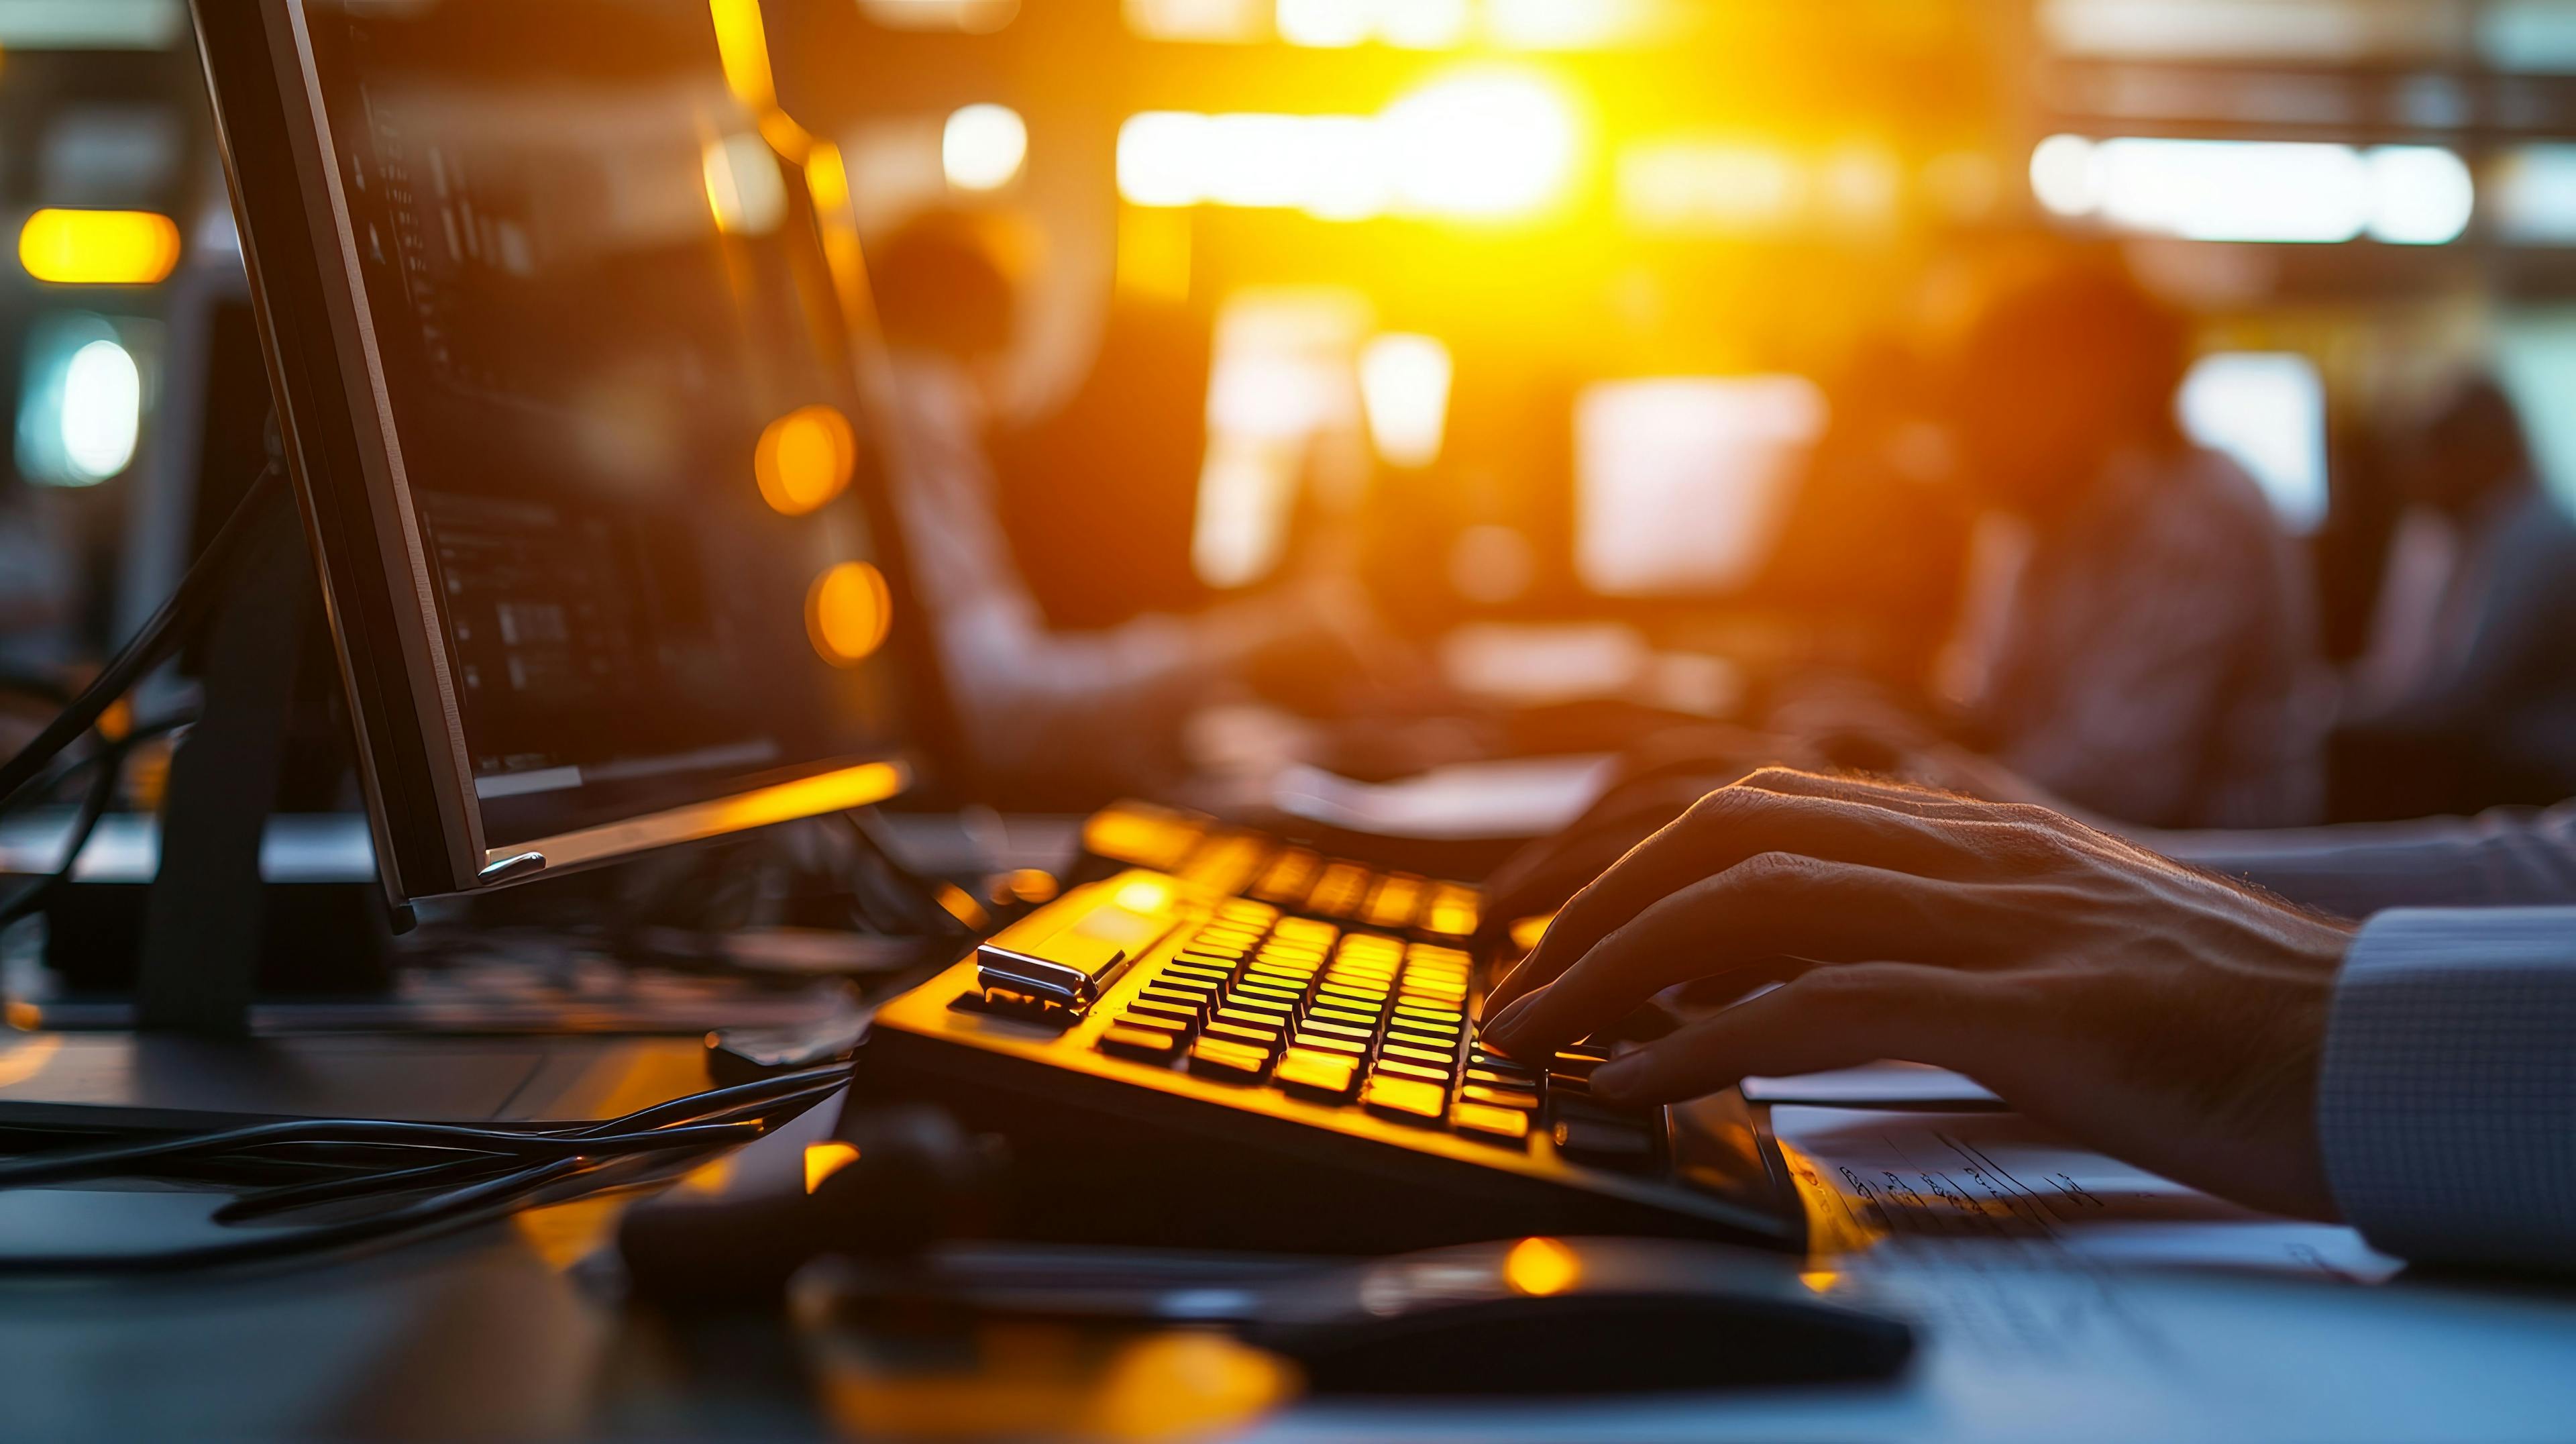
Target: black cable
x=462 y=1207
x=659 y=1126
x=340 y=1190
x=110 y=762
x=67 y=768
x=456 y=1208
x=187 y=606
x=699 y=1105
x=344 y=1132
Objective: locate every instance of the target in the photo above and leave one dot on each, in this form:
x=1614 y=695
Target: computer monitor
x=569 y=409
x=1682 y=482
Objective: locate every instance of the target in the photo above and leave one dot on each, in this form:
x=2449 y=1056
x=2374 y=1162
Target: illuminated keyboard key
x=1252 y=1036
x=1258 y=1004
x=1453 y=910
x=1343 y=995
x=1418 y=1055
x=1422 y=1072
x=1227 y=1062
x=1346 y=1017
x=1317 y=1074
x=1416 y=1038
x=1145 y=1045
x=1339 y=891
x=1489 y=1124
x=1449 y=1019
x=1333 y=1029
x=1181 y=1014
x=1151 y=1016
x=1406 y=1100
x=1244 y=912
x=1208 y=972
x=1191 y=998
x=1288 y=877
x=1487 y=1093
x=1394 y=903
x=1327 y=1044
x=1285 y=997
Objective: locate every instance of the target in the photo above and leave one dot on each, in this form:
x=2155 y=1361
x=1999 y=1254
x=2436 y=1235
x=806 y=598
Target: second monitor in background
x=1681 y=483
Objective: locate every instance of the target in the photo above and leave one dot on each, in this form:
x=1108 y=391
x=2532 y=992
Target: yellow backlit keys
x=1407 y=1100
x=1489 y=1124
x=1314 y=1073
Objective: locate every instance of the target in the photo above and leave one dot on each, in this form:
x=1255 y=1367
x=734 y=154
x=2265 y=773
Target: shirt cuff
x=2446 y=1102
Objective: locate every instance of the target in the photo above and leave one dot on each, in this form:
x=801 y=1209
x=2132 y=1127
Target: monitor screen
x=605 y=350
x=1681 y=483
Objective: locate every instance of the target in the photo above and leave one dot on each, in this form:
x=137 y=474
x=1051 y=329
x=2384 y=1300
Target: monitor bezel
x=348 y=476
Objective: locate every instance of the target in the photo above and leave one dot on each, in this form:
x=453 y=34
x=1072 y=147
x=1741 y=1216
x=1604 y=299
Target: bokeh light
x=102 y=410
x=983 y=147
x=745 y=188
x=1404 y=384
x=1483 y=144
x=805 y=459
x=99 y=248
x=848 y=612
x=2293 y=192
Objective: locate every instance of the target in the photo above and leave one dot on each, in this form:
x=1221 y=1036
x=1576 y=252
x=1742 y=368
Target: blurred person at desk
x=2467 y=696
x=2414 y=1076
x=2146 y=660
x=1060 y=717
x=2149 y=657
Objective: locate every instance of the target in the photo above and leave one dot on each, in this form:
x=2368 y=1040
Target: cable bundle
x=436 y=1177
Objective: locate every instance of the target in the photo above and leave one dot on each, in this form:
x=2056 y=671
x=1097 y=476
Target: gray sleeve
x=2446 y=1102
x=1101 y=708
x=2507 y=858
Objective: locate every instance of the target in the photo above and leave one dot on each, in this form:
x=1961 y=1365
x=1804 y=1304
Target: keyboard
x=1240 y=1042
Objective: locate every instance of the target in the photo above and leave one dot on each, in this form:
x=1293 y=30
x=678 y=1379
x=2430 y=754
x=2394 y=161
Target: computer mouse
x=1571 y=1316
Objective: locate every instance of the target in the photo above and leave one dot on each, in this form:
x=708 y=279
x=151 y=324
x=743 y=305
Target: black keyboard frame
x=1105 y=1149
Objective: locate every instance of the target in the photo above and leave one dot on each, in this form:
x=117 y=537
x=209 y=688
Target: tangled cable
x=454 y=1176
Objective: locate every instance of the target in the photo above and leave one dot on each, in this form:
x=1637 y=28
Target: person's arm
x=2166 y=1016
x=2502 y=859
x=1100 y=708
x=2446 y=1102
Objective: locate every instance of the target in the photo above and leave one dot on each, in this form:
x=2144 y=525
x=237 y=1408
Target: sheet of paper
x=1914 y=1181
x=1519 y=797
x=1877 y=1084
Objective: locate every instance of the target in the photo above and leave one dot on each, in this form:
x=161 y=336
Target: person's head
x=2067 y=360
x=944 y=283
x=2468 y=447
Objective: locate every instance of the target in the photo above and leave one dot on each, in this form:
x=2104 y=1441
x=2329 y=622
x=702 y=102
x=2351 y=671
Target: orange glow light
x=805 y=459
x=1539 y=1267
x=99 y=248
x=822 y=1160
x=743 y=42
x=848 y=613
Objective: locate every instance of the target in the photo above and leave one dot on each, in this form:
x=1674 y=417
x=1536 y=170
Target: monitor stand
x=211 y=925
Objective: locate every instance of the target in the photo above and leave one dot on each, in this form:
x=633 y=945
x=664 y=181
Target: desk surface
x=509 y=1331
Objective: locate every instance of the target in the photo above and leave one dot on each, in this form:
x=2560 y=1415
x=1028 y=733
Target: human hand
x=2160 y=1014
x=1658 y=780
